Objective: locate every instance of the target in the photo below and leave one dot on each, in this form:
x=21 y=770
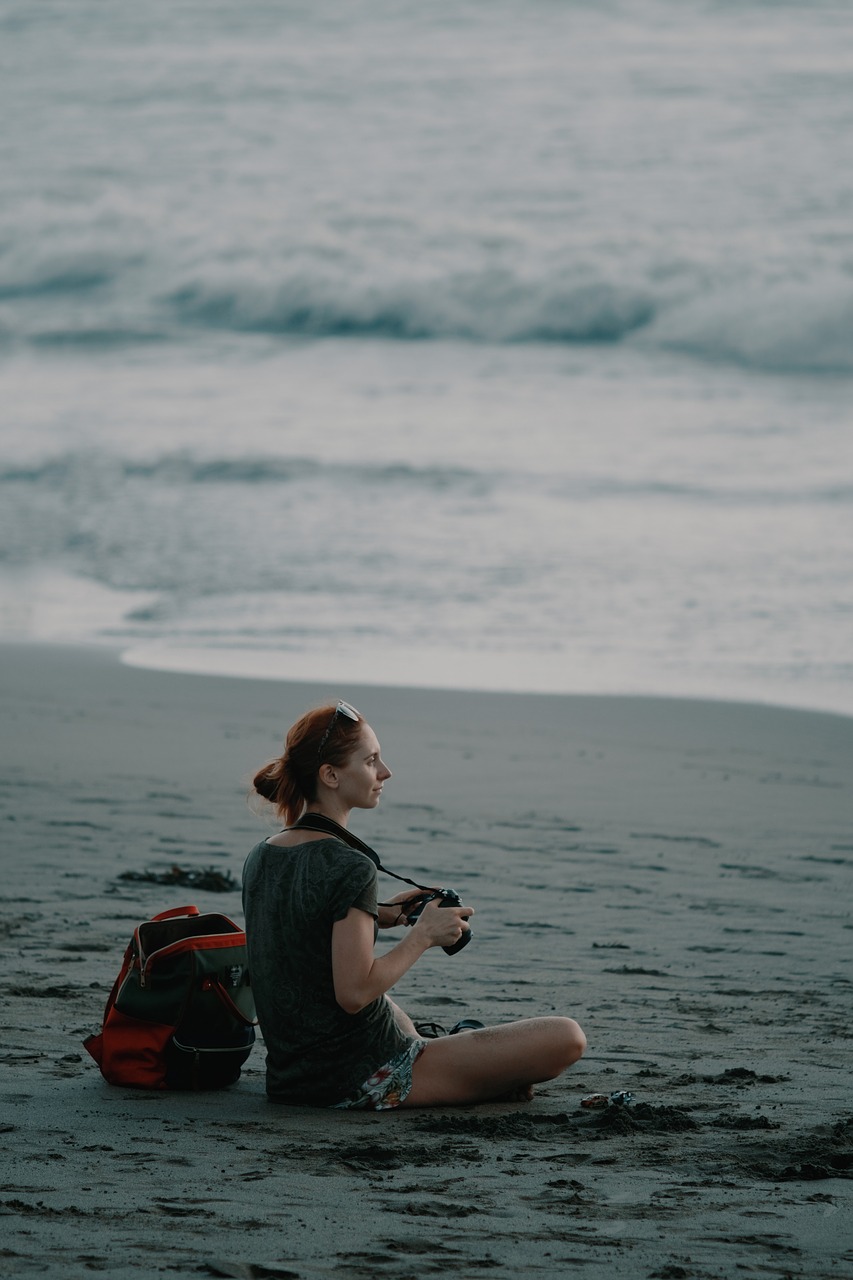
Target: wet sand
x=674 y=874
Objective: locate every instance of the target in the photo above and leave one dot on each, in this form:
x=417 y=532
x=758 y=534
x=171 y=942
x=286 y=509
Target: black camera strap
x=319 y=822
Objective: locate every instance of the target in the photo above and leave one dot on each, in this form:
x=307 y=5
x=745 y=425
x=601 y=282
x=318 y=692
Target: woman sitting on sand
x=333 y=1037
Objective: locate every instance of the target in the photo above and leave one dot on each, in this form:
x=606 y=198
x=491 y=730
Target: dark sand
x=674 y=874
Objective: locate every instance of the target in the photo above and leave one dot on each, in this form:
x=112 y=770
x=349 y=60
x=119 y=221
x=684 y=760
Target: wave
x=79 y=471
x=795 y=327
x=804 y=328
x=182 y=469
x=604 y=488
x=798 y=327
x=103 y=337
x=488 y=307
x=63 y=273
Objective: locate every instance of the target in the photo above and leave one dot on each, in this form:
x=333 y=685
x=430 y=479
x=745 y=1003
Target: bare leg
x=494 y=1063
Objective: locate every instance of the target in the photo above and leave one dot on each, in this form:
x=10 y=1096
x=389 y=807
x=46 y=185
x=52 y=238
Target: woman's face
x=361 y=779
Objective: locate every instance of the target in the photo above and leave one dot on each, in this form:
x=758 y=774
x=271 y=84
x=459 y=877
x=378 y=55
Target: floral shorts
x=388 y=1086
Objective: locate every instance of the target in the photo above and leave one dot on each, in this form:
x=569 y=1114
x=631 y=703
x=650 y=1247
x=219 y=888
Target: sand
x=674 y=874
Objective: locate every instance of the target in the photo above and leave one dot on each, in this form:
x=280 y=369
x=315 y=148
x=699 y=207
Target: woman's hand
x=443 y=926
x=395 y=911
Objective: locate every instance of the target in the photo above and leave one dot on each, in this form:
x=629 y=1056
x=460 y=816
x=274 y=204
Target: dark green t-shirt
x=316 y=1053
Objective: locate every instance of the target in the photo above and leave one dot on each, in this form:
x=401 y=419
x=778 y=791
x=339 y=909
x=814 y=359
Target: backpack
x=181 y=1012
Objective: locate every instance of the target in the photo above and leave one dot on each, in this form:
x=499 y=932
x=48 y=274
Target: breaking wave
x=92 y=301
x=786 y=328
x=493 y=308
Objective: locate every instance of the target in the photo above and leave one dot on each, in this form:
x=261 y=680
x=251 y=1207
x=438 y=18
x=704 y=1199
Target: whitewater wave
x=488 y=307
x=804 y=328
x=785 y=328
x=94 y=300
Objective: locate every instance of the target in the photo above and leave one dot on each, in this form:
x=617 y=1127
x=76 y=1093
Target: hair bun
x=266 y=782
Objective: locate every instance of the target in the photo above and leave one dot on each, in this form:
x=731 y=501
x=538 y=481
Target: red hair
x=290 y=781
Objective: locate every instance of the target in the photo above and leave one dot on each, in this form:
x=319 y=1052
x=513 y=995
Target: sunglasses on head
x=342 y=709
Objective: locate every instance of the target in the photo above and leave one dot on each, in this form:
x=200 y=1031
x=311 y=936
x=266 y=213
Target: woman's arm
x=361 y=977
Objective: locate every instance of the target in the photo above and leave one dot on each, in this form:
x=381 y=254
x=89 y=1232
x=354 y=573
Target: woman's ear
x=326 y=774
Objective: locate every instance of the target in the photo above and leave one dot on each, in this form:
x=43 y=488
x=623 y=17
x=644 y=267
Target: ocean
x=474 y=345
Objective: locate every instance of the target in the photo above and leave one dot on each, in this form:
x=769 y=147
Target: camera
x=448 y=899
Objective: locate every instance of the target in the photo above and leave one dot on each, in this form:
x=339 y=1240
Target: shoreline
x=205 y=664
x=673 y=873
x=477 y=673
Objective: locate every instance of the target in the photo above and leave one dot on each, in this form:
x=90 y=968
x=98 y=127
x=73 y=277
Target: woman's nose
x=384 y=771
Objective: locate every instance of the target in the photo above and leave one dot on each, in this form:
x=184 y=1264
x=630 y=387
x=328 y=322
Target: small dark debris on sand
x=644 y=1118
x=739 y=1077
x=640 y=1117
x=206 y=878
x=497 y=1128
x=824 y=1152
x=373 y=1158
x=743 y=1122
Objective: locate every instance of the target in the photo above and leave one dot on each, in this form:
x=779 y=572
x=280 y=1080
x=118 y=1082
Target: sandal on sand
x=430 y=1030
x=465 y=1024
